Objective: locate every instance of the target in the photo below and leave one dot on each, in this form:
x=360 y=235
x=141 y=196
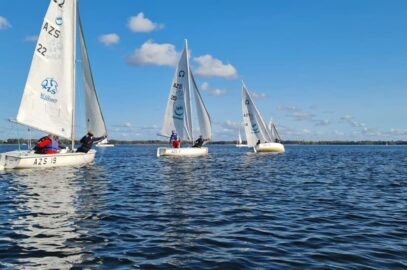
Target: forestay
x=94 y=116
x=48 y=98
x=254 y=124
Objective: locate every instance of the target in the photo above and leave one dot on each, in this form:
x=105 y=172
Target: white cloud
x=32 y=38
x=4 y=23
x=109 y=39
x=151 y=53
x=205 y=86
x=217 y=92
x=259 y=95
x=296 y=113
x=139 y=23
x=212 y=92
x=212 y=67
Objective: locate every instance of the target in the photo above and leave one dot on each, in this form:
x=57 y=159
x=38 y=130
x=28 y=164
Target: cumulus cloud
x=109 y=39
x=212 y=92
x=4 y=23
x=151 y=53
x=139 y=23
x=259 y=95
x=32 y=38
x=205 y=86
x=296 y=113
x=212 y=67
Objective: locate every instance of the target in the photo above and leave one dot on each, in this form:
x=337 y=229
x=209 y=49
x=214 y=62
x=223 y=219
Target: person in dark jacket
x=47 y=145
x=87 y=142
x=199 y=142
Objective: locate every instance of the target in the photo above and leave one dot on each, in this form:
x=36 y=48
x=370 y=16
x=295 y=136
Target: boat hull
x=241 y=145
x=269 y=148
x=104 y=145
x=29 y=160
x=182 y=152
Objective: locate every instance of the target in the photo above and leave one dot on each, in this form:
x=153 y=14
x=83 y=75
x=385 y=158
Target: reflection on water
x=46 y=222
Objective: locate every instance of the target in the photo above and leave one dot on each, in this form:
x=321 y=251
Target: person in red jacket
x=47 y=145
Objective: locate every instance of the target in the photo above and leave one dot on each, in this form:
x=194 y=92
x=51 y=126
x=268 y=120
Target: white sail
x=94 y=117
x=273 y=130
x=178 y=112
x=239 y=138
x=254 y=124
x=49 y=93
x=203 y=115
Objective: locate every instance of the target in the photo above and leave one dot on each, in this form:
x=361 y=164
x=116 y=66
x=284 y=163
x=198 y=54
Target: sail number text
x=51 y=30
x=41 y=49
x=45 y=161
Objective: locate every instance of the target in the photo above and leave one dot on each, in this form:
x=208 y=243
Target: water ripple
x=315 y=207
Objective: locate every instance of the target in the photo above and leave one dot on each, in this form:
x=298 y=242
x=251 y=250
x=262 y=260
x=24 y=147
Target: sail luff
x=94 y=117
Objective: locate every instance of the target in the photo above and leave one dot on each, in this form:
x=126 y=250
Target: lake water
x=314 y=207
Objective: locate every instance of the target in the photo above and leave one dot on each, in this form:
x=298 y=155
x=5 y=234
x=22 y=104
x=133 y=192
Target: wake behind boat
x=258 y=135
x=178 y=114
x=48 y=102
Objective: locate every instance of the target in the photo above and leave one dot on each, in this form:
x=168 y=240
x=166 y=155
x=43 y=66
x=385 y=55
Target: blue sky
x=323 y=69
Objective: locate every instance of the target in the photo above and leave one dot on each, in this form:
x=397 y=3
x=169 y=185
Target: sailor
x=199 y=142
x=47 y=145
x=174 y=140
x=87 y=142
x=258 y=142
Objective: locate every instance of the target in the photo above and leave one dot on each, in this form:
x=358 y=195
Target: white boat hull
x=182 y=152
x=104 y=145
x=242 y=145
x=269 y=148
x=29 y=160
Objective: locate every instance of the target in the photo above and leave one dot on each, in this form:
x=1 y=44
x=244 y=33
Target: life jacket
x=51 y=148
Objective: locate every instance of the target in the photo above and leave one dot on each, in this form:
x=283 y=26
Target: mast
x=188 y=88
x=74 y=73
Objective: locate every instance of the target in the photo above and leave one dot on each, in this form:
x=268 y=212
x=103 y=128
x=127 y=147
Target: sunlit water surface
x=315 y=207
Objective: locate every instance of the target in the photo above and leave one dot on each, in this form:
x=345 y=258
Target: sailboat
x=261 y=137
x=104 y=143
x=239 y=141
x=178 y=114
x=48 y=102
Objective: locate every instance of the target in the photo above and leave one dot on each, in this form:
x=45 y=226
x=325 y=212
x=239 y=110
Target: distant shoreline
x=288 y=142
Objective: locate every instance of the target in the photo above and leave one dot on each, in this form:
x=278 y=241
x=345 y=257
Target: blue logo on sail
x=51 y=86
x=255 y=128
x=58 y=20
x=178 y=113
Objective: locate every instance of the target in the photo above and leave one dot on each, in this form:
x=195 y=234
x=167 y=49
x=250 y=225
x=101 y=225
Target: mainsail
x=254 y=124
x=94 y=117
x=178 y=112
x=49 y=93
